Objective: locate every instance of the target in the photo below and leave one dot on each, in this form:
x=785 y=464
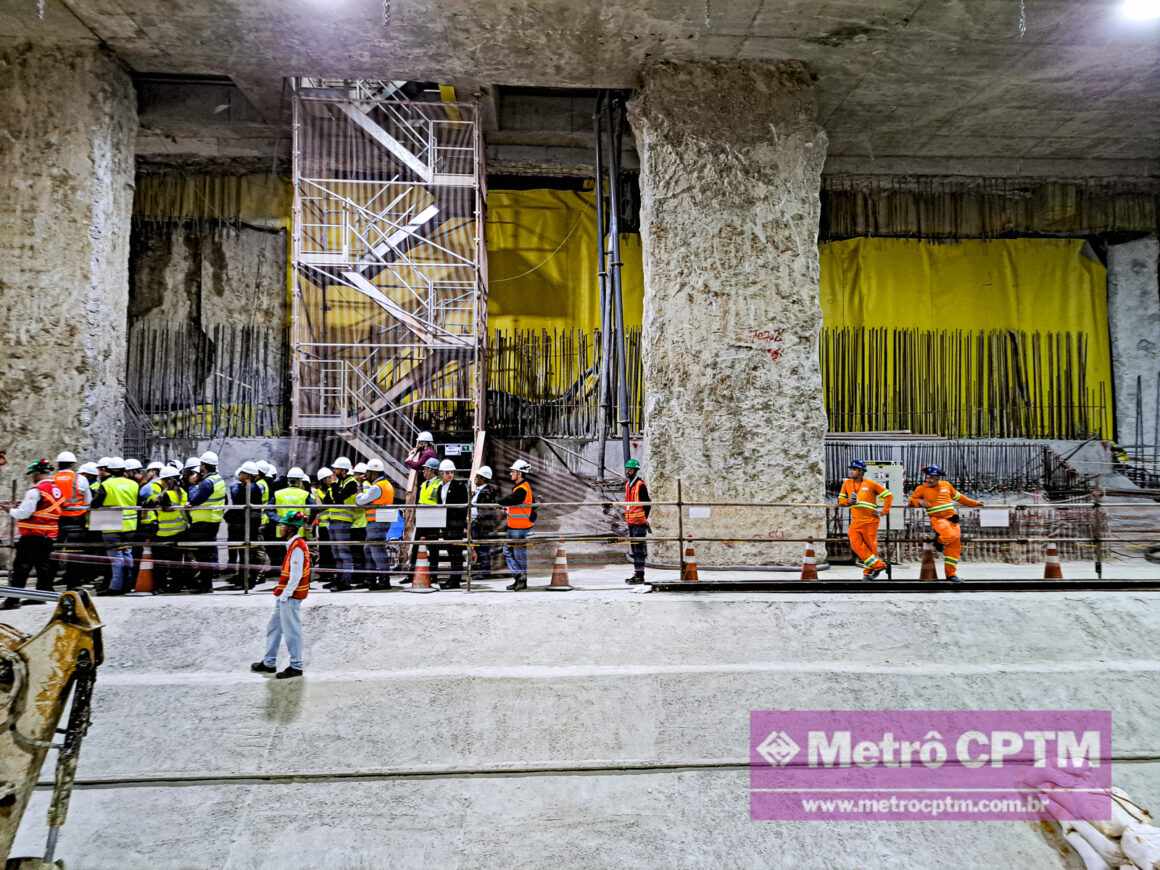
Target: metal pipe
x=614 y=142
x=602 y=283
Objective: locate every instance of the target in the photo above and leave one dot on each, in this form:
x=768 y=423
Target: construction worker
x=428 y=495
x=89 y=564
x=149 y=488
x=867 y=500
x=292 y=498
x=38 y=523
x=119 y=491
x=169 y=575
x=939 y=498
x=423 y=451
x=378 y=498
x=637 y=508
x=342 y=493
x=291 y=590
x=324 y=476
x=207 y=497
x=246 y=490
x=454 y=497
x=269 y=529
x=358 y=531
x=133 y=471
x=74 y=486
x=521 y=519
x=483 y=519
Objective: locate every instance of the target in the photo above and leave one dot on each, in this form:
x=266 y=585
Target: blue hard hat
x=432 y=463
x=933 y=471
x=858 y=463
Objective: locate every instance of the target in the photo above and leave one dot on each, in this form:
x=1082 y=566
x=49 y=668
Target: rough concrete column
x=1134 y=322
x=68 y=120
x=731 y=161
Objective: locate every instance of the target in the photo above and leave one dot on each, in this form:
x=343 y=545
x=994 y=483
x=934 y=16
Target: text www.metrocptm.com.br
x=932 y=807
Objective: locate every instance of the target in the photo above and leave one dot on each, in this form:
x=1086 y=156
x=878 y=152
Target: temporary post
x=680 y=529
x=615 y=120
x=246 y=550
x=889 y=561
x=1097 y=545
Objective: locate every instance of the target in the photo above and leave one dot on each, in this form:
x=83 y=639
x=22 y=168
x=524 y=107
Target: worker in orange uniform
x=867 y=500
x=939 y=497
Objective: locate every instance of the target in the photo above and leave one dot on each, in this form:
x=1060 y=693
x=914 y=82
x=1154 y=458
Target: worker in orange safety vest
x=940 y=498
x=867 y=500
x=38 y=522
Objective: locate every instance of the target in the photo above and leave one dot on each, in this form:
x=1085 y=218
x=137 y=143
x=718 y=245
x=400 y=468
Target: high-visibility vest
x=429 y=491
x=634 y=513
x=94 y=487
x=341 y=514
x=150 y=490
x=360 y=516
x=520 y=516
x=300 y=591
x=170 y=523
x=323 y=515
x=385 y=499
x=213 y=508
x=122 y=492
x=45 y=520
x=264 y=489
x=74 y=503
x=291 y=499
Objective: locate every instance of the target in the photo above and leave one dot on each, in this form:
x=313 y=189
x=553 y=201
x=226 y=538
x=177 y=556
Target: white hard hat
x=271 y=470
x=66 y=456
x=426 y=436
x=296 y=473
x=376 y=465
x=168 y=471
x=115 y=463
x=342 y=462
x=263 y=466
x=154 y=466
x=103 y=462
x=176 y=463
x=89 y=468
x=484 y=472
x=248 y=468
x=361 y=468
x=132 y=464
x=323 y=473
x=209 y=458
x=192 y=462
x=447 y=465
x=521 y=466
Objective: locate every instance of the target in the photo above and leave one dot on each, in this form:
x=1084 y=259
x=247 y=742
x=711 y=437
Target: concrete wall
x=1134 y=321
x=731 y=161
x=68 y=120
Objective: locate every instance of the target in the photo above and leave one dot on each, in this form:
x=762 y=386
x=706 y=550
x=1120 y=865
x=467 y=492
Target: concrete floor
x=600 y=728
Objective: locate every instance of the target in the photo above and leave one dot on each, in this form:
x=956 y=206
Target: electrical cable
x=544 y=262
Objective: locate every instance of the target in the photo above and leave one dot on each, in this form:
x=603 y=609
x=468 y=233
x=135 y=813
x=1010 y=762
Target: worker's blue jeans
x=516 y=555
x=340 y=538
x=377 y=549
x=121 y=559
x=285 y=624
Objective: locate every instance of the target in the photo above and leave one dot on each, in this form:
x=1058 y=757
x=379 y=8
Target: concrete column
x=731 y=161
x=68 y=120
x=1134 y=322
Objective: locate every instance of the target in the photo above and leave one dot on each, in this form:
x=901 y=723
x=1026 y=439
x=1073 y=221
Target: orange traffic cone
x=1052 y=570
x=689 y=572
x=809 y=563
x=145 y=575
x=421 y=582
x=560 y=573
x=927 y=572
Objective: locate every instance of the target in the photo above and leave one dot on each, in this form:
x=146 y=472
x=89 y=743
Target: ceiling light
x=1140 y=10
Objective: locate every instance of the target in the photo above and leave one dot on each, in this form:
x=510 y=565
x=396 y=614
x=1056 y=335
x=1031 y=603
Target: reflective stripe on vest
x=385 y=498
x=634 y=514
x=264 y=489
x=74 y=503
x=360 y=516
x=341 y=514
x=299 y=591
x=291 y=499
x=150 y=490
x=520 y=516
x=170 y=523
x=324 y=515
x=45 y=520
x=122 y=492
x=213 y=508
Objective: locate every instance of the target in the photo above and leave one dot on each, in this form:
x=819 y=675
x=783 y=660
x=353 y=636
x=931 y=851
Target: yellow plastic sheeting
x=541 y=252
x=263 y=200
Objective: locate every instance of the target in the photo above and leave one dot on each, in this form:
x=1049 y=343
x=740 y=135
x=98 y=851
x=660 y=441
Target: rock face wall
x=1134 y=321
x=731 y=161
x=68 y=120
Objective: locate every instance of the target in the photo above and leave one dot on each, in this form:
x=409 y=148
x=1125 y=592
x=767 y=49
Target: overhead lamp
x=1140 y=10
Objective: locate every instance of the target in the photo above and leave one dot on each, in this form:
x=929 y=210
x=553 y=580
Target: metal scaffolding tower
x=389 y=314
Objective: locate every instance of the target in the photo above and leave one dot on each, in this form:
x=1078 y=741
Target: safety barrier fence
x=1029 y=528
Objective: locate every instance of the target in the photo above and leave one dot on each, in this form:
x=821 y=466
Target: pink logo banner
x=956 y=765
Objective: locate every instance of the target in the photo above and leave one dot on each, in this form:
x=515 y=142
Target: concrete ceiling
x=902 y=84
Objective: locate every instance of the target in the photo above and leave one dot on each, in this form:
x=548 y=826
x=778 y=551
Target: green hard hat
x=633 y=463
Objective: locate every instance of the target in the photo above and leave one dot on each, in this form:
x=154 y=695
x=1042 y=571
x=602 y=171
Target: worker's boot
x=262 y=668
x=520 y=583
x=287 y=673
x=10 y=604
x=636 y=579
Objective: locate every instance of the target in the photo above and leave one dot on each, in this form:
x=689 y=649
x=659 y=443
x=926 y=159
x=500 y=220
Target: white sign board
x=450 y=449
x=994 y=518
x=386 y=515
x=892 y=476
x=700 y=513
x=106 y=520
x=430 y=517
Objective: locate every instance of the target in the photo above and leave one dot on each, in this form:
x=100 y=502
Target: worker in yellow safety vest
x=207 y=498
x=428 y=495
x=358 y=531
x=324 y=476
x=169 y=572
x=118 y=491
